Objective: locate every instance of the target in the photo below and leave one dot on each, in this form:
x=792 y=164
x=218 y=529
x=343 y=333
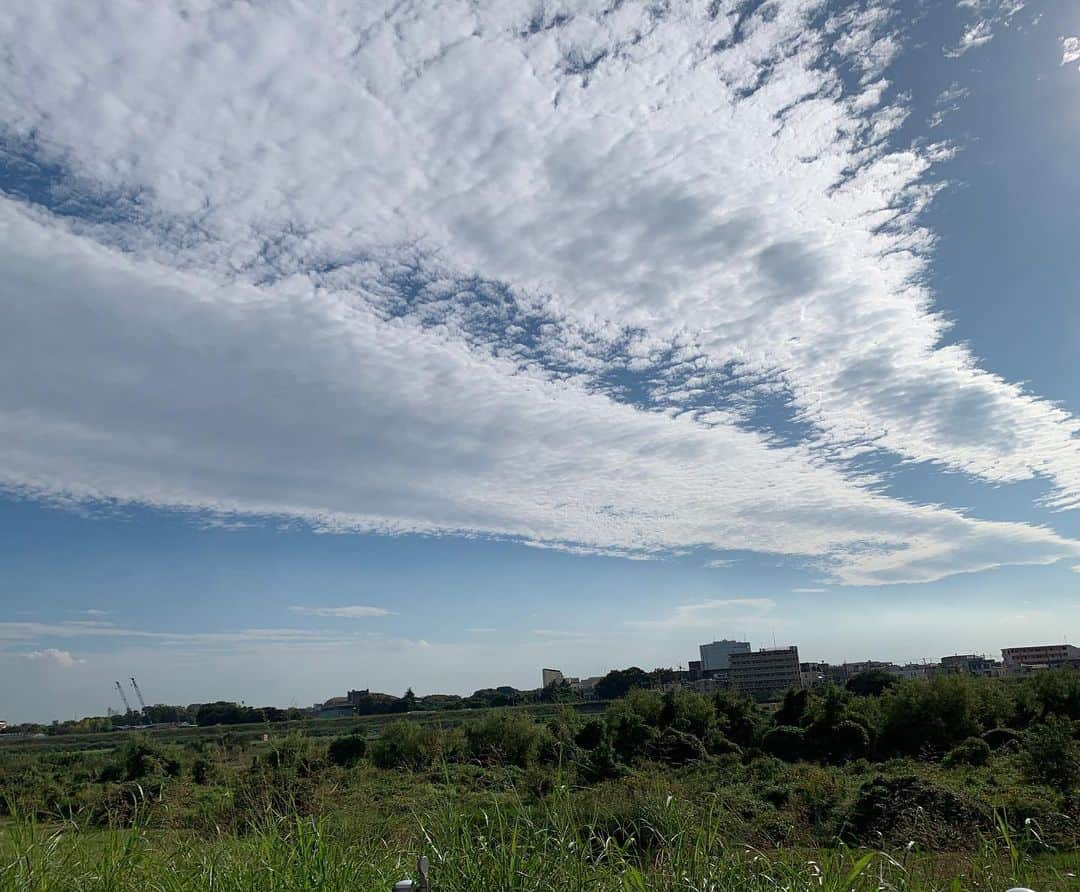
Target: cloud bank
x=624 y=278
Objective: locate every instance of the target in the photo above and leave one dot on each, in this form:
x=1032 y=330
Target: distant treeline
x=616 y=683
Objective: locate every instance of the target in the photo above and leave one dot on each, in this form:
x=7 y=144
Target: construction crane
x=138 y=693
x=123 y=696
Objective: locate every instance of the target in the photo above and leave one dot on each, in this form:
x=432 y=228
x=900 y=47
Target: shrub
x=141 y=759
x=592 y=734
x=903 y=809
x=973 y=751
x=996 y=738
x=688 y=711
x=1052 y=754
x=631 y=735
x=717 y=744
x=785 y=742
x=929 y=718
x=601 y=763
x=346 y=750
x=401 y=744
x=295 y=754
x=736 y=716
x=505 y=738
x=675 y=747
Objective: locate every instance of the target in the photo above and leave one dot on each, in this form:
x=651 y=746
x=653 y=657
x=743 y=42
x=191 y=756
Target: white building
x=717 y=655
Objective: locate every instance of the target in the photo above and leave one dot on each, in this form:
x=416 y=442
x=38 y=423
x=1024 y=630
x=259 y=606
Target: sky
x=426 y=344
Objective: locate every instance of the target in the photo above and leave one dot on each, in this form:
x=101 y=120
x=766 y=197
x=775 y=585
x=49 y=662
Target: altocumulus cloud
x=376 y=270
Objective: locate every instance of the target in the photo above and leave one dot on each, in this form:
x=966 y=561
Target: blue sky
x=428 y=345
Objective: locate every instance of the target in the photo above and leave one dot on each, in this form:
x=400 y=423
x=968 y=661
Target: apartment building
x=1049 y=656
x=766 y=671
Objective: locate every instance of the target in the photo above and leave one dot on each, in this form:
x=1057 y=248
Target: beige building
x=766 y=671
x=1049 y=656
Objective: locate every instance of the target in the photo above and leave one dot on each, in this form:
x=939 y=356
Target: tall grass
x=559 y=844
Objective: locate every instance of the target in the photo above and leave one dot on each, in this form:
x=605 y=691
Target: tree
x=793 y=709
x=736 y=716
x=408 y=702
x=872 y=683
x=619 y=682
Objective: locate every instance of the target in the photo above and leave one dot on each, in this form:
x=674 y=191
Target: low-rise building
x=971 y=664
x=766 y=671
x=814 y=674
x=1018 y=660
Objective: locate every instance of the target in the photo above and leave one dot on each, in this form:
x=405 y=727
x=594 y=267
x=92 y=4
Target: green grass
x=505 y=845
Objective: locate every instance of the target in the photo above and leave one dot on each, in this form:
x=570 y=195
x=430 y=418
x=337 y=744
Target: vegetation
x=951 y=784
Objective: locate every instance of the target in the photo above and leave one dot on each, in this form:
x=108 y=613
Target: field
x=952 y=785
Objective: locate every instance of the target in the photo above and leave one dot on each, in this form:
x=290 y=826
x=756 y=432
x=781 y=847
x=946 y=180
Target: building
x=972 y=664
x=1040 y=656
x=549 y=677
x=694 y=668
x=914 y=671
x=814 y=674
x=717 y=655
x=766 y=671
x=585 y=687
x=3 y=725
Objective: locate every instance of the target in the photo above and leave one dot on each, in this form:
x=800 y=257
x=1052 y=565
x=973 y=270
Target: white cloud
x=1070 y=50
x=976 y=35
x=711 y=613
x=947 y=102
x=352 y=611
x=369 y=269
x=53 y=656
x=390 y=427
x=94 y=612
x=986 y=17
x=560 y=633
x=802 y=590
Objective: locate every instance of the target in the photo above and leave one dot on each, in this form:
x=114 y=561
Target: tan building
x=1049 y=656
x=766 y=671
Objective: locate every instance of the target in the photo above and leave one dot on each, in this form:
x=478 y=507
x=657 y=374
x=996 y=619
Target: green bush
x=505 y=738
x=785 y=742
x=973 y=751
x=346 y=751
x=631 y=734
x=593 y=733
x=1051 y=753
x=675 y=747
x=402 y=744
x=996 y=738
